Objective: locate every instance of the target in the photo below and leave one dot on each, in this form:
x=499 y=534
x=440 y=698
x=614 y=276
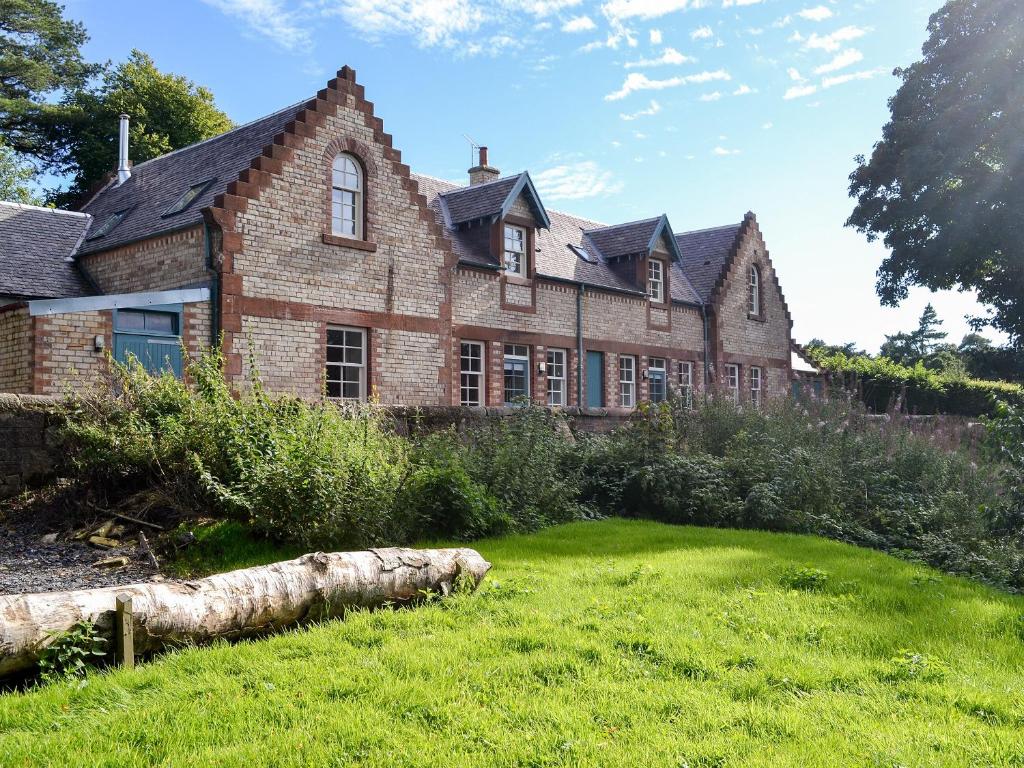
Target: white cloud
x=579 y=24
x=702 y=33
x=731 y=3
x=832 y=43
x=539 y=7
x=645 y=9
x=575 y=181
x=794 y=75
x=715 y=96
x=840 y=61
x=799 y=91
x=768 y=126
x=619 y=33
x=668 y=56
x=430 y=22
x=866 y=74
x=637 y=81
x=796 y=37
x=818 y=13
x=744 y=90
x=723 y=152
x=267 y=17
x=654 y=109
x=655 y=36
x=639 y=135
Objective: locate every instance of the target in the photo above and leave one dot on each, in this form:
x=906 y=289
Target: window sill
x=756 y=318
x=350 y=242
x=516 y=279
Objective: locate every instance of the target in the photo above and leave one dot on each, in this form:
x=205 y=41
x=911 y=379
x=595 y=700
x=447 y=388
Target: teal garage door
x=152 y=336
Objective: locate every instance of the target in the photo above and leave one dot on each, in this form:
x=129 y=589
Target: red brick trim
x=481 y=333
x=279 y=309
x=309 y=118
x=362 y=155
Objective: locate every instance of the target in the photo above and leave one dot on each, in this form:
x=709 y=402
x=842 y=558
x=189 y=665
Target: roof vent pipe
x=124 y=171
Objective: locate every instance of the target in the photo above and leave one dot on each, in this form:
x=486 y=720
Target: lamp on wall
x=542 y=367
x=99 y=343
x=646 y=374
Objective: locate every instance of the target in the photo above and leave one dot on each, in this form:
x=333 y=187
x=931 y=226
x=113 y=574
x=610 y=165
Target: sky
x=620 y=110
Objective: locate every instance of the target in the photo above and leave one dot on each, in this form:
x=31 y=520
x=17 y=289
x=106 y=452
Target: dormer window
x=346 y=197
x=188 y=197
x=111 y=221
x=515 y=250
x=656 y=280
x=754 y=300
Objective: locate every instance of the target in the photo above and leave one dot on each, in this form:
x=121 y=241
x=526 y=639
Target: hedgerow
x=884 y=385
x=321 y=475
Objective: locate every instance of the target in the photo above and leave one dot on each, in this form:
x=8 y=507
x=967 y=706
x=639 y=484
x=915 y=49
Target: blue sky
x=623 y=109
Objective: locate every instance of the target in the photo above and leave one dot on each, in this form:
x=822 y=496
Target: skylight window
x=189 y=197
x=112 y=221
x=581 y=253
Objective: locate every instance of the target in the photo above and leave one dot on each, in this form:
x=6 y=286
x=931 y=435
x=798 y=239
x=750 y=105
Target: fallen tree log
x=238 y=603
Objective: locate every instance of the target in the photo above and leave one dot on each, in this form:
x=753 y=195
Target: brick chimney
x=482 y=172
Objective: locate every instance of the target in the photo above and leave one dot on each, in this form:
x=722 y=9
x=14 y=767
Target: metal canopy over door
x=152 y=336
x=595 y=379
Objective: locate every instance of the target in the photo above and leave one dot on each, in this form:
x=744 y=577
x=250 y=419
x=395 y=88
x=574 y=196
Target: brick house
x=305 y=236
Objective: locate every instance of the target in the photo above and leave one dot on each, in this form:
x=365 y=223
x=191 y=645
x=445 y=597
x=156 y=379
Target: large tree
x=15 y=175
x=167 y=112
x=945 y=185
x=919 y=344
x=39 y=57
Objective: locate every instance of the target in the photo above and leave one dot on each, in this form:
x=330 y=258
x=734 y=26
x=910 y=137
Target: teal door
x=150 y=336
x=595 y=380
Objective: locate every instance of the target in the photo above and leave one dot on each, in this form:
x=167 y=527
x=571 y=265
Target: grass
x=616 y=643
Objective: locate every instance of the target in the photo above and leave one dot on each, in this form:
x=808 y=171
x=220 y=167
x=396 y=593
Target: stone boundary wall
x=30 y=449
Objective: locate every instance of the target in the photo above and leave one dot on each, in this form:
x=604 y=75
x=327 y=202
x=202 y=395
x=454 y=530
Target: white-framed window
x=656 y=279
x=686 y=382
x=755 y=386
x=346 y=197
x=515 y=250
x=732 y=381
x=346 y=364
x=754 y=299
x=517 y=373
x=657 y=379
x=627 y=381
x=471 y=373
x=556 y=376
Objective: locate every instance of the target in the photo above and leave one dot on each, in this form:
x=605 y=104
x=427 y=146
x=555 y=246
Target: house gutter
x=707 y=363
x=581 y=289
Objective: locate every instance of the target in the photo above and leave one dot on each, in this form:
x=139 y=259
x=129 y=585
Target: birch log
x=236 y=604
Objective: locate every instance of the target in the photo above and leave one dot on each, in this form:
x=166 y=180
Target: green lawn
x=594 y=644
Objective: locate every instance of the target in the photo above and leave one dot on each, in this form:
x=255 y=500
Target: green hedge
x=883 y=383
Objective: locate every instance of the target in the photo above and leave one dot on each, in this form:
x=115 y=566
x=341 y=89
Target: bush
x=442 y=499
x=884 y=385
x=528 y=462
x=318 y=476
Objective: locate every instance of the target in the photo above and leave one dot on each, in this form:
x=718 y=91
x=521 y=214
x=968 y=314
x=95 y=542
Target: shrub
x=528 y=462
x=806 y=579
x=442 y=499
x=315 y=475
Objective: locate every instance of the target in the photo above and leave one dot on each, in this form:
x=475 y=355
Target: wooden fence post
x=124 y=632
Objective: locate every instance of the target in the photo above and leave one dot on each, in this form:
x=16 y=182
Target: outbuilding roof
x=36 y=245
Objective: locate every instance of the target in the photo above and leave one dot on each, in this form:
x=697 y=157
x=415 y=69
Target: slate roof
x=705 y=252
x=624 y=239
x=554 y=257
x=35 y=247
x=478 y=201
x=156 y=184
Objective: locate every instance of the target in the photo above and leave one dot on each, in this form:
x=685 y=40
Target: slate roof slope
x=35 y=245
x=705 y=253
x=624 y=239
x=479 y=200
x=156 y=184
x=554 y=258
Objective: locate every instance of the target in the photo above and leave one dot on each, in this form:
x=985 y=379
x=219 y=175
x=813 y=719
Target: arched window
x=346 y=197
x=754 y=303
